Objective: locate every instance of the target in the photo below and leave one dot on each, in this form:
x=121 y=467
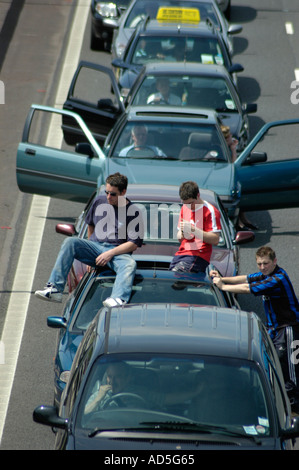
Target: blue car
x=263 y=177
x=153 y=283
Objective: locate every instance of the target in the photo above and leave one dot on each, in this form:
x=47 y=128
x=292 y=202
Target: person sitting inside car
x=121 y=389
x=139 y=137
x=162 y=95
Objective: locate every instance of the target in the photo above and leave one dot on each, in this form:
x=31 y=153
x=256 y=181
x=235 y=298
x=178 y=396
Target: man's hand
x=218 y=282
x=187 y=229
x=214 y=273
x=104 y=258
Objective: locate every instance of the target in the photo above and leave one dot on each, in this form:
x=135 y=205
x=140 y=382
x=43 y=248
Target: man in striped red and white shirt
x=198 y=230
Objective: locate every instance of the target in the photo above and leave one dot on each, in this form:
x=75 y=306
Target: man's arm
x=124 y=248
x=90 y=230
x=236 y=284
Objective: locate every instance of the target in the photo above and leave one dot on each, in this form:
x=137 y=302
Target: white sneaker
x=110 y=302
x=49 y=293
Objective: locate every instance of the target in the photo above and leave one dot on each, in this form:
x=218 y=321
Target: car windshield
x=173 y=49
x=175 y=394
x=171 y=140
x=197 y=292
x=145 y=8
x=193 y=91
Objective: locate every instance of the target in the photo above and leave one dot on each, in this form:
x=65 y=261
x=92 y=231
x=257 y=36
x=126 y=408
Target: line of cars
x=177 y=330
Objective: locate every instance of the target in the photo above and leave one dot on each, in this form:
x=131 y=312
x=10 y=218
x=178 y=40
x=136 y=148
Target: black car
x=104 y=19
x=168 y=377
x=153 y=282
x=155 y=41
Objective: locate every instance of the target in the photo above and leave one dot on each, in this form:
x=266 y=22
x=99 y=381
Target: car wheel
x=96 y=43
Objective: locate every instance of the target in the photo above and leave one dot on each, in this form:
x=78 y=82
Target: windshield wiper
x=198 y=427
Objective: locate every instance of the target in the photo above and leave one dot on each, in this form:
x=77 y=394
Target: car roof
x=160 y=113
x=158 y=266
x=190 y=68
x=180 y=329
x=161 y=193
x=153 y=26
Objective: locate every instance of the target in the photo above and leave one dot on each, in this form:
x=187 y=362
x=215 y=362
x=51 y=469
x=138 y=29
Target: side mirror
x=244 y=236
x=48 y=415
x=56 y=322
x=292 y=432
x=235 y=68
x=119 y=64
x=250 y=108
x=107 y=104
x=85 y=148
x=256 y=157
x=234 y=29
x=66 y=229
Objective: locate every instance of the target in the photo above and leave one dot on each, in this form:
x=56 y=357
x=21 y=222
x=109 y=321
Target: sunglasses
x=111 y=193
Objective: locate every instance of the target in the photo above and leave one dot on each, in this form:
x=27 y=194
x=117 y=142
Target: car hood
x=120 y=440
x=218 y=177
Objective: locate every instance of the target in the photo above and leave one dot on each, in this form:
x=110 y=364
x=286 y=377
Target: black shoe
x=251 y=226
x=242 y=229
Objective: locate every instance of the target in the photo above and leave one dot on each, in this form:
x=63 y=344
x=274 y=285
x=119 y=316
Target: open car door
x=268 y=168
x=47 y=166
x=95 y=96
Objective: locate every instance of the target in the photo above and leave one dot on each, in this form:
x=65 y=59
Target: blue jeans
x=87 y=251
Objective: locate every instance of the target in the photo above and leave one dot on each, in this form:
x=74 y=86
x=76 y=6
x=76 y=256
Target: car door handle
x=30 y=151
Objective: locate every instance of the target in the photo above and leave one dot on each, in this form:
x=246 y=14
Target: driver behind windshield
x=121 y=390
x=139 y=137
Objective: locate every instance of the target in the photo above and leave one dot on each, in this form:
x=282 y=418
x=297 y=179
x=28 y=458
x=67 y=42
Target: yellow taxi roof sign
x=184 y=15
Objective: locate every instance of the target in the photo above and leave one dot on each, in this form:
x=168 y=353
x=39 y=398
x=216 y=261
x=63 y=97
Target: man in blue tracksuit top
x=281 y=308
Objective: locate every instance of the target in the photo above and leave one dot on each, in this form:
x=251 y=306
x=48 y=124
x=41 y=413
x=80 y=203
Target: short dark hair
x=265 y=251
x=189 y=190
x=118 y=180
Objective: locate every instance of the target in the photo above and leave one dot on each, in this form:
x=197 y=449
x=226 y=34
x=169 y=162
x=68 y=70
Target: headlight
x=120 y=49
x=108 y=10
x=64 y=376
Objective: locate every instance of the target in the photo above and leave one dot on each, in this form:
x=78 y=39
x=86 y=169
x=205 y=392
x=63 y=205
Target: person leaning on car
x=281 y=308
x=199 y=229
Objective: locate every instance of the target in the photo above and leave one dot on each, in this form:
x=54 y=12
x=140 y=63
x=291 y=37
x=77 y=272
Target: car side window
x=79 y=367
x=279 y=397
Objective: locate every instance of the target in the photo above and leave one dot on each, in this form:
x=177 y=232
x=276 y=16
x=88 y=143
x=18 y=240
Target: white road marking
x=22 y=285
x=289 y=28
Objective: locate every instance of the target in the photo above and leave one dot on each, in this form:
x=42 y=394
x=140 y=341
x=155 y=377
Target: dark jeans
x=188 y=264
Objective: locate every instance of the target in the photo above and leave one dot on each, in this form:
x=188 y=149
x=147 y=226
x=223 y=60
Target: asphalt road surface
x=34 y=43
